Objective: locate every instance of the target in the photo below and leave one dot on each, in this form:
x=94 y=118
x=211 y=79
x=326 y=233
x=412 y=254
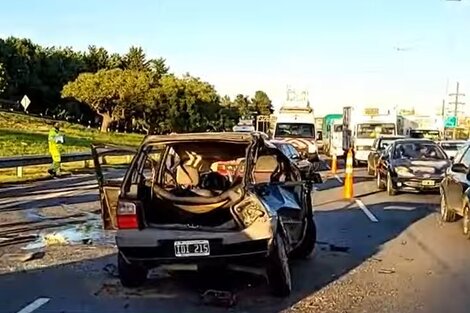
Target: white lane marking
x=399 y=207
x=338 y=179
x=366 y=211
x=34 y=305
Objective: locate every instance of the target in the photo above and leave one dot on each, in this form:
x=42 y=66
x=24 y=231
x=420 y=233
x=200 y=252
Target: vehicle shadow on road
x=346 y=239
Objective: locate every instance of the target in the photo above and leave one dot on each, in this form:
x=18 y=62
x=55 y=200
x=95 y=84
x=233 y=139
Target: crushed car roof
x=208 y=136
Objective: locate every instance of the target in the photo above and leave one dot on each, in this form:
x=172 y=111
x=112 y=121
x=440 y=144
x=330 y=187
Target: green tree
x=244 y=106
x=158 y=67
x=113 y=94
x=3 y=79
x=182 y=105
x=136 y=60
x=262 y=103
x=96 y=59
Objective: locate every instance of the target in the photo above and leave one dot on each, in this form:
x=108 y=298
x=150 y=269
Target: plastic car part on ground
x=90 y=232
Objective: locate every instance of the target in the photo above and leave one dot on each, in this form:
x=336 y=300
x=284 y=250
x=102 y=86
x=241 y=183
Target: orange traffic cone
x=333 y=164
x=348 y=179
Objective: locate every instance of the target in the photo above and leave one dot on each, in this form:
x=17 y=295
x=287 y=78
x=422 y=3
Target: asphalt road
x=377 y=254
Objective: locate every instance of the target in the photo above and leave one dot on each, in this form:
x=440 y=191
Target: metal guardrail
x=28 y=160
x=19 y=162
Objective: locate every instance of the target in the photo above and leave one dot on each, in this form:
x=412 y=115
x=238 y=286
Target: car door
x=111 y=164
x=455 y=182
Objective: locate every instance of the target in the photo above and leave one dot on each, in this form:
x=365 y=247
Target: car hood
x=423 y=166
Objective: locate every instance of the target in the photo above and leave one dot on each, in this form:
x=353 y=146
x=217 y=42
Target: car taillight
x=127 y=215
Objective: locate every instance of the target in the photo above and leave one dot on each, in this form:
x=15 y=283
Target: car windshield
x=418 y=150
x=295 y=130
x=452 y=146
x=373 y=130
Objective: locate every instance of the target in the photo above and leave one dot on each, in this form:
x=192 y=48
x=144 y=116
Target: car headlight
x=403 y=171
x=250 y=211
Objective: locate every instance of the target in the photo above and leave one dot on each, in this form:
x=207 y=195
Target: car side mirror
x=295 y=156
x=459 y=168
x=314 y=177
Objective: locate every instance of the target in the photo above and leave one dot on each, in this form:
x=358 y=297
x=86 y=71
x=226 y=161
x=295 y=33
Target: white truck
x=421 y=126
x=362 y=125
x=336 y=138
x=295 y=123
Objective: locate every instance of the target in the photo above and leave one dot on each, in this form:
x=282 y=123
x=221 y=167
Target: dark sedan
x=411 y=165
x=455 y=194
x=378 y=147
x=304 y=165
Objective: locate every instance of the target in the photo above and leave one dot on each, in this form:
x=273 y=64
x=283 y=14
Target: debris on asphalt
x=403 y=242
x=90 y=232
x=23 y=257
x=111 y=269
x=376 y=259
x=386 y=271
x=218 y=298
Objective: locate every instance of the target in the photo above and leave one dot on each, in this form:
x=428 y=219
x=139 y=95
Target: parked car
x=173 y=206
x=454 y=190
x=304 y=165
x=378 y=147
x=411 y=165
x=451 y=147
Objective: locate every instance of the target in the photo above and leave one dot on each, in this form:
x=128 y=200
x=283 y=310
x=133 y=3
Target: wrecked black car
x=411 y=165
x=209 y=198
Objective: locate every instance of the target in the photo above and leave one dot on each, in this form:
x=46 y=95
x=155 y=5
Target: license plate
x=428 y=183
x=189 y=248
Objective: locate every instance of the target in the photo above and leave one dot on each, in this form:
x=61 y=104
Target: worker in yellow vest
x=56 y=139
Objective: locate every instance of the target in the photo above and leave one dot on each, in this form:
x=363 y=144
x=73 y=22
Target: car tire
x=446 y=214
x=307 y=245
x=278 y=269
x=466 y=222
x=391 y=191
x=131 y=275
x=380 y=183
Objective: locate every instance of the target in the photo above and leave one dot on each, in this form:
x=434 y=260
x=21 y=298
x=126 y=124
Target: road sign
x=25 y=102
x=450 y=122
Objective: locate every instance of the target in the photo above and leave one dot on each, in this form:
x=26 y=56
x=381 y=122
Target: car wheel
x=278 y=270
x=466 y=222
x=380 y=183
x=446 y=214
x=390 y=189
x=131 y=275
x=305 y=248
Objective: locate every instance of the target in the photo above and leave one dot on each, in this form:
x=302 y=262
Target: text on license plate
x=189 y=248
x=428 y=182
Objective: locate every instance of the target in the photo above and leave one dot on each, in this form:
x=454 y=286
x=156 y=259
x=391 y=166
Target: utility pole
x=456 y=104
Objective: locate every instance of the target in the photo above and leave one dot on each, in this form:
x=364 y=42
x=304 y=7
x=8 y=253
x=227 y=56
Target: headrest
x=187 y=175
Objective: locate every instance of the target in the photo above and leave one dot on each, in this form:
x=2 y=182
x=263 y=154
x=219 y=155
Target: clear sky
x=346 y=52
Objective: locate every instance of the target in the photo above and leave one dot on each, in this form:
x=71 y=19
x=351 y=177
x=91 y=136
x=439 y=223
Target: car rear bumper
x=164 y=252
x=157 y=244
